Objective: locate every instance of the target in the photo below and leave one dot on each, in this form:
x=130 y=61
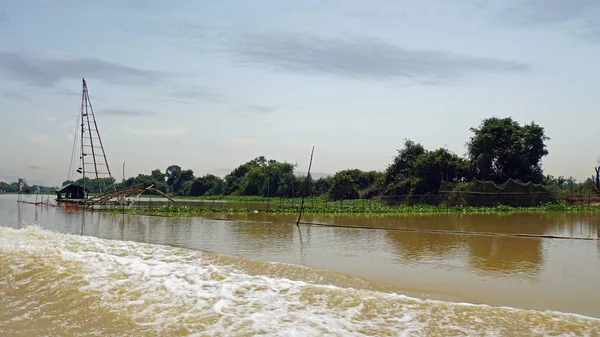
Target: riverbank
x=183 y=210
x=198 y=206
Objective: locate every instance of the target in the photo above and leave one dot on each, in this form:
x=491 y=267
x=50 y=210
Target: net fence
x=487 y=193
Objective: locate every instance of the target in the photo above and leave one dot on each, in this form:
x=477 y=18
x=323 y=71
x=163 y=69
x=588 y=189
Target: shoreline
x=199 y=206
x=175 y=210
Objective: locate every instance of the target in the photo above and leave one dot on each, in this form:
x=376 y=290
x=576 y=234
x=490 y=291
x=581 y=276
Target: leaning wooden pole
x=307 y=181
x=154 y=189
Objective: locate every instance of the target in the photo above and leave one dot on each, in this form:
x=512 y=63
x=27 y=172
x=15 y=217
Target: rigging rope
x=70 y=174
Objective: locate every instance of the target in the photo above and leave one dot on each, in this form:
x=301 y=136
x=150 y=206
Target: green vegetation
x=501 y=149
x=355 y=207
x=14 y=187
x=501 y=154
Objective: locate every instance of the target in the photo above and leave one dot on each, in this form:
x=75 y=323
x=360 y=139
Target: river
x=69 y=273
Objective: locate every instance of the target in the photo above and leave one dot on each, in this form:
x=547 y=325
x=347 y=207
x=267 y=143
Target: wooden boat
x=96 y=167
x=71 y=194
x=90 y=146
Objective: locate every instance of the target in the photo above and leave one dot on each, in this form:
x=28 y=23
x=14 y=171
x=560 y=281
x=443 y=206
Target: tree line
x=498 y=150
x=22 y=186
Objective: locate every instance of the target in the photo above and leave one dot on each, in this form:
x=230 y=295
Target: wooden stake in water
x=307 y=181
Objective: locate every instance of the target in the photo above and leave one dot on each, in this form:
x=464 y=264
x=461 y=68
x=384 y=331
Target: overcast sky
x=209 y=85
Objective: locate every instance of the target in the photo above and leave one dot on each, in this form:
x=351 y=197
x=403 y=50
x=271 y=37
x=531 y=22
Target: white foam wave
x=177 y=290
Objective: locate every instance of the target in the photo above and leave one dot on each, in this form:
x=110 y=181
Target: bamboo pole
x=307 y=181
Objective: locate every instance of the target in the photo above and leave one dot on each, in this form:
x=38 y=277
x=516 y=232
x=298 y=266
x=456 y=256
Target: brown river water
x=73 y=273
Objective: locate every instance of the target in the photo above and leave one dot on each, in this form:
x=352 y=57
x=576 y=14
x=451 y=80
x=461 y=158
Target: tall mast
x=91 y=143
x=83 y=94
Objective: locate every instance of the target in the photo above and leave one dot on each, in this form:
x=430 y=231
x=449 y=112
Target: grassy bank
x=175 y=210
x=251 y=198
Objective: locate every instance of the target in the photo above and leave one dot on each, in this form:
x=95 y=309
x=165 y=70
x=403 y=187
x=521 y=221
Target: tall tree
x=404 y=162
x=401 y=175
x=157 y=175
x=322 y=185
x=172 y=174
x=183 y=182
x=261 y=177
x=344 y=186
x=419 y=171
x=501 y=149
x=208 y=184
x=440 y=165
x=234 y=180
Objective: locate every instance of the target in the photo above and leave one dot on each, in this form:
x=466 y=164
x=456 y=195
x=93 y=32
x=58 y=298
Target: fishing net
x=487 y=193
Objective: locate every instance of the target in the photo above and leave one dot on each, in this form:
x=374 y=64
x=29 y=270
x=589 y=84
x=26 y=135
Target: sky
x=209 y=85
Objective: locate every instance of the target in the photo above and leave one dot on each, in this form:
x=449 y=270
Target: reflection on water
x=506 y=254
x=415 y=247
x=497 y=270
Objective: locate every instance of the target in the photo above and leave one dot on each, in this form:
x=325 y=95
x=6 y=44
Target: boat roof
x=68 y=187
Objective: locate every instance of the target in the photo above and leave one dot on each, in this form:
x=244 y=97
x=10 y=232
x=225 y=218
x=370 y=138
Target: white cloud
x=50 y=119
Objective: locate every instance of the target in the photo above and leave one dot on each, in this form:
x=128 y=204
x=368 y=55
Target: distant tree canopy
x=262 y=177
x=206 y=185
x=500 y=149
x=15 y=187
x=343 y=186
x=416 y=170
x=93 y=185
x=179 y=181
x=156 y=178
x=352 y=184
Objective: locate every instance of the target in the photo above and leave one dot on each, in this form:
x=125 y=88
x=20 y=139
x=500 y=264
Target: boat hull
x=70 y=201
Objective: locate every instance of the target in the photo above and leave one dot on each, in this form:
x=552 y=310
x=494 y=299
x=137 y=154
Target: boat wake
x=62 y=284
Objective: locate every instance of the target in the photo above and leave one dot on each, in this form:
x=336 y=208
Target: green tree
x=286 y=183
x=234 y=180
x=303 y=186
x=172 y=174
x=433 y=167
x=501 y=149
x=279 y=179
x=183 y=183
x=416 y=170
x=559 y=181
x=366 y=183
x=343 y=186
x=155 y=179
x=157 y=176
x=206 y=185
x=261 y=177
x=179 y=181
x=401 y=175
x=322 y=186
x=94 y=185
x=361 y=179
x=252 y=181
x=67 y=182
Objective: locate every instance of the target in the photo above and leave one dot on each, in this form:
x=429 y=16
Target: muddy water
x=101 y=274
